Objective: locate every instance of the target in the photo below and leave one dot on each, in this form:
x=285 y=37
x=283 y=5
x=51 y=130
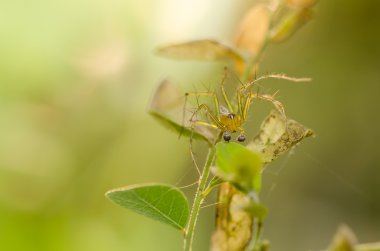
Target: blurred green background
x=75 y=81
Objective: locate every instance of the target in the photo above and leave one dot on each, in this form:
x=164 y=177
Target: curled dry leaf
x=168 y=107
x=200 y=50
x=233 y=223
x=252 y=31
x=278 y=135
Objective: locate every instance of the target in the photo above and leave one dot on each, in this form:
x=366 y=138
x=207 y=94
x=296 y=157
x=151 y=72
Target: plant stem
x=255 y=245
x=199 y=196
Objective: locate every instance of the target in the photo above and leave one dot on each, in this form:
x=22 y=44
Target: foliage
x=161 y=202
x=238 y=165
x=237 y=168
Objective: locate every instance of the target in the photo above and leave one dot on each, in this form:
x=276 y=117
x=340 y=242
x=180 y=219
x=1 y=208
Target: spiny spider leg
x=279 y=106
x=274 y=76
x=199 y=122
x=225 y=97
x=205 y=108
x=210 y=94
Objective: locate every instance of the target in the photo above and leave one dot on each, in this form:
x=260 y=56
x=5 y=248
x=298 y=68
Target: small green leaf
x=214 y=182
x=257 y=210
x=239 y=166
x=161 y=202
x=200 y=50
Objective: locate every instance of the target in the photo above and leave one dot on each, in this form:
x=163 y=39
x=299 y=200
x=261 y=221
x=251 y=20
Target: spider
x=231 y=119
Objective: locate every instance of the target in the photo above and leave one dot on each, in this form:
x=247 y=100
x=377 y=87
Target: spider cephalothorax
x=232 y=123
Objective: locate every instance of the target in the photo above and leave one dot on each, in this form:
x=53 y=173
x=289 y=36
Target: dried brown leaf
x=200 y=50
x=233 y=223
x=277 y=136
x=167 y=106
x=252 y=31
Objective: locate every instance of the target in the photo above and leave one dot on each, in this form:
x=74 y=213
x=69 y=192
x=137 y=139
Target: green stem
x=257 y=237
x=199 y=196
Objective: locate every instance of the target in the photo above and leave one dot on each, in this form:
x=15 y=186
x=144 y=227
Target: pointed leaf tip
x=161 y=202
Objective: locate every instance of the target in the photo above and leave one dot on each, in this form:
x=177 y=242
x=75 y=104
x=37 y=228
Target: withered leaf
x=167 y=106
x=200 y=50
x=277 y=135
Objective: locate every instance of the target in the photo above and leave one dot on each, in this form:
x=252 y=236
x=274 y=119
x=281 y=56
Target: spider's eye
x=227 y=136
x=231 y=116
x=241 y=138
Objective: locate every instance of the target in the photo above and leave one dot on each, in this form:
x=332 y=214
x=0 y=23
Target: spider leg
x=203 y=107
x=279 y=106
x=215 y=120
x=273 y=76
x=240 y=100
x=225 y=97
x=217 y=125
x=199 y=122
x=210 y=94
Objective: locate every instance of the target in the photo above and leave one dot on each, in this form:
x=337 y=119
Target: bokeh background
x=75 y=81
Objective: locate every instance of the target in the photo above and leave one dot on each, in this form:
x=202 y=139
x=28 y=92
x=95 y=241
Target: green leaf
x=200 y=50
x=277 y=136
x=167 y=106
x=161 y=202
x=239 y=166
x=214 y=182
x=257 y=210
